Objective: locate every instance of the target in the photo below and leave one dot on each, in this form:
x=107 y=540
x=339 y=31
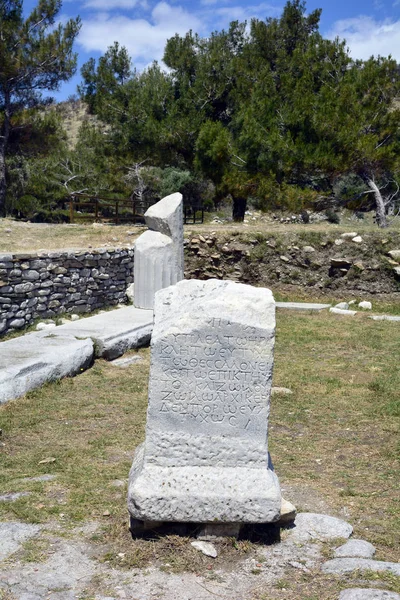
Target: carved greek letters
x=216 y=376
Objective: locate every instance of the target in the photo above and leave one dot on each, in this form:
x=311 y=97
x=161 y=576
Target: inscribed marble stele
x=159 y=251
x=205 y=456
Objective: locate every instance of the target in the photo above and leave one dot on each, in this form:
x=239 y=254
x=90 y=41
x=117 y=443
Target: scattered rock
x=288 y=511
x=395 y=254
x=396 y=271
x=75 y=317
x=313 y=526
x=337 y=263
x=46 y=461
x=339 y=242
x=285 y=258
x=359 y=265
x=355 y=549
x=130 y=292
x=384 y=318
x=308 y=249
x=126 y=361
x=206 y=548
x=357 y=240
x=43 y=326
x=365 y=305
x=342 y=305
x=349 y=235
x=340 y=566
x=339 y=311
x=280 y=390
x=367 y=594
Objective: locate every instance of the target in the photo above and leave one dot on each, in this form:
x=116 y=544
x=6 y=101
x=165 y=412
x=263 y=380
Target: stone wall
x=47 y=284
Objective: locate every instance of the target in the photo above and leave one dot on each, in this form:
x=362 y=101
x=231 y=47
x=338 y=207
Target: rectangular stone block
x=205 y=457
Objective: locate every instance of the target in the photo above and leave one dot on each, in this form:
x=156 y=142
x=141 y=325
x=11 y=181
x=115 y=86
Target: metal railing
x=104 y=210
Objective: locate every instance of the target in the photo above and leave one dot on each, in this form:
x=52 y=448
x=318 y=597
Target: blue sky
x=143 y=26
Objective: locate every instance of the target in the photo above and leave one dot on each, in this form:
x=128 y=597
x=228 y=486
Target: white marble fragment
x=159 y=251
x=205 y=456
x=206 y=548
x=365 y=305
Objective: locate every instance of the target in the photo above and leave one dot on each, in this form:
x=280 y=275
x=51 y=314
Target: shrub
x=332 y=216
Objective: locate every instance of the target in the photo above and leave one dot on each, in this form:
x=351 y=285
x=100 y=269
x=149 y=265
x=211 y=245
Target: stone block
x=159 y=251
x=205 y=457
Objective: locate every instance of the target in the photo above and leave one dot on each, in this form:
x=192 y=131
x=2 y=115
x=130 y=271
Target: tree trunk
x=4 y=135
x=380 y=208
x=238 y=209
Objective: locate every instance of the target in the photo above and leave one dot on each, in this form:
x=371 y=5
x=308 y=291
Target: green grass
x=336 y=438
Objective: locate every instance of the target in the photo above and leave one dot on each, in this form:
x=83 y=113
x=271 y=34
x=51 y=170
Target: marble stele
x=205 y=456
x=159 y=251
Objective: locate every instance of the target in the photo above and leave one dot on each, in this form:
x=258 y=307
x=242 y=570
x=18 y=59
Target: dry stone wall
x=48 y=284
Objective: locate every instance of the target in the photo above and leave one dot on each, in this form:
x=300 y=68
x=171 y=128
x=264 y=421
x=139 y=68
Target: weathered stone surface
x=349 y=235
x=13 y=534
x=159 y=251
x=337 y=262
x=206 y=548
x=365 y=305
x=395 y=254
x=340 y=566
x=281 y=391
x=384 y=318
x=357 y=239
x=288 y=512
x=312 y=526
x=29 y=361
x=205 y=457
x=114 y=332
x=342 y=311
x=368 y=594
x=355 y=548
x=302 y=305
x=342 y=305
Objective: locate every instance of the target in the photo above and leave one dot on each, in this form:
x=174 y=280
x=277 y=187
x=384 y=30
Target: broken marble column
x=205 y=456
x=159 y=251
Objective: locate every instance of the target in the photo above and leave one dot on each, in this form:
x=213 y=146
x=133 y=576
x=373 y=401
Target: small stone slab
x=313 y=526
x=27 y=362
x=355 y=549
x=340 y=566
x=384 y=318
x=341 y=311
x=302 y=305
x=281 y=391
x=126 y=361
x=13 y=534
x=368 y=594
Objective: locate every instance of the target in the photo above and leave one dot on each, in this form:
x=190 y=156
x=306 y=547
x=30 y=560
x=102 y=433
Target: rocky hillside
x=319 y=261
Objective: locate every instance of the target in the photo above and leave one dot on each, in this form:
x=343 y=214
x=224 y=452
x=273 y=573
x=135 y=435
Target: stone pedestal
x=205 y=457
x=159 y=251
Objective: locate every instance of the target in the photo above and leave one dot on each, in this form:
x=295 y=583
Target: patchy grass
x=337 y=437
x=20 y=236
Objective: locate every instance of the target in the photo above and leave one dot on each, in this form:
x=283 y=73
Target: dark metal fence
x=84 y=208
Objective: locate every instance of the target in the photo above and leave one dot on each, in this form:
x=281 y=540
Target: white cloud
x=222 y=16
x=144 y=38
x=366 y=37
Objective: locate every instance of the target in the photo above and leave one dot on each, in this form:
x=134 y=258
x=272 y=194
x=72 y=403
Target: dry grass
x=19 y=236
x=336 y=439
